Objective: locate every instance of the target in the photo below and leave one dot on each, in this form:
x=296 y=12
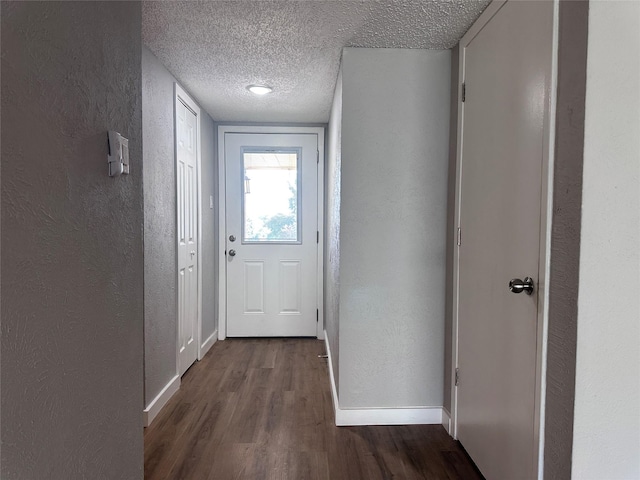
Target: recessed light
x=259 y=89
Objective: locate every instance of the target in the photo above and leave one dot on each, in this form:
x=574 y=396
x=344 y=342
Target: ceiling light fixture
x=259 y=89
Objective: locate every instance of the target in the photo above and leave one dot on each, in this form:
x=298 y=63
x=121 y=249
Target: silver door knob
x=232 y=238
x=232 y=253
x=518 y=286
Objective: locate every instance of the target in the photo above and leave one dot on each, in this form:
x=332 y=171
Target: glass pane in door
x=270 y=212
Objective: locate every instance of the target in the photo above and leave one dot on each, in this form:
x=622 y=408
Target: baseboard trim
x=350 y=417
x=388 y=416
x=208 y=343
x=332 y=380
x=446 y=420
x=150 y=413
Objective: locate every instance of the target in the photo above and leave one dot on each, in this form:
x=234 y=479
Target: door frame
x=222 y=227
x=180 y=95
x=545 y=228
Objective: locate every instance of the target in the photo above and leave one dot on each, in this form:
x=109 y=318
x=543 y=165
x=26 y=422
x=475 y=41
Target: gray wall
x=160 y=295
x=606 y=441
x=72 y=264
x=159 y=226
x=209 y=246
x=565 y=239
x=332 y=228
x=395 y=133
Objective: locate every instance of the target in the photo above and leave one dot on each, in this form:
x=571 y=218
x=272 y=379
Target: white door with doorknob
x=272 y=234
x=187 y=229
x=506 y=72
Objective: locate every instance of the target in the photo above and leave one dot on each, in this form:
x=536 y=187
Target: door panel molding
x=222 y=262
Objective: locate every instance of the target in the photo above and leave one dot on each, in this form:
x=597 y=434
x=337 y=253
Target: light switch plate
x=118 y=156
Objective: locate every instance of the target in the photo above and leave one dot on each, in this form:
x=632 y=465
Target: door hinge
x=318 y=156
x=317 y=315
x=457 y=376
x=317 y=236
x=459 y=237
x=464 y=92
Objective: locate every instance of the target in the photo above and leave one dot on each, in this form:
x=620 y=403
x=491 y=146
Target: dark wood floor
x=261 y=409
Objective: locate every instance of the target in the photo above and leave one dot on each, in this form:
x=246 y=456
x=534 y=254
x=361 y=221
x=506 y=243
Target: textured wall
x=209 y=245
x=565 y=239
x=395 y=137
x=72 y=264
x=332 y=228
x=607 y=393
x=451 y=228
x=160 y=225
x=160 y=295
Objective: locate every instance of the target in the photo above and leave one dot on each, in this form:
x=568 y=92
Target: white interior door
x=506 y=69
x=271 y=234
x=187 y=218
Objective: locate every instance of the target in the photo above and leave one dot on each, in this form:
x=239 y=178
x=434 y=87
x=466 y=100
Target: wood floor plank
x=257 y=409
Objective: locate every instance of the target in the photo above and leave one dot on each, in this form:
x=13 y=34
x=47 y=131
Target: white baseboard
x=334 y=389
x=379 y=416
x=208 y=343
x=388 y=416
x=160 y=401
x=446 y=420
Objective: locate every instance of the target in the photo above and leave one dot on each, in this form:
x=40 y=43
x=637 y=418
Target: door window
x=271 y=186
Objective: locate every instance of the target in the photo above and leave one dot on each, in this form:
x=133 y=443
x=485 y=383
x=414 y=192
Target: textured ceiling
x=217 y=48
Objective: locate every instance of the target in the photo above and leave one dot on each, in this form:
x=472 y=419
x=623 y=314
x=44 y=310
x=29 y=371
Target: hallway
x=261 y=409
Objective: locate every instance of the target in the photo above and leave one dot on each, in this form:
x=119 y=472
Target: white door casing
x=187 y=117
x=503 y=155
x=271 y=287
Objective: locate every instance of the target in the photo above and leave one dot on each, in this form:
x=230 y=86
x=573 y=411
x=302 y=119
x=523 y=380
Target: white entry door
x=271 y=234
x=187 y=227
x=506 y=74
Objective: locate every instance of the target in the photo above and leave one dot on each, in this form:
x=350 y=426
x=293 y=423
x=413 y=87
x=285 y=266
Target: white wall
x=160 y=295
x=395 y=134
x=607 y=398
x=72 y=253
